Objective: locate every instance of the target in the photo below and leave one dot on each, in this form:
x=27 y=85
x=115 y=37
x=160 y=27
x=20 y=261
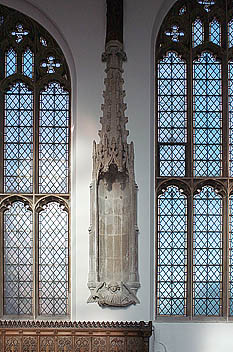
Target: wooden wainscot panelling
x=51 y=336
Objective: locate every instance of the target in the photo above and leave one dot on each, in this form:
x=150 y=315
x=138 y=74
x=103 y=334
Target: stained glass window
x=204 y=173
x=34 y=171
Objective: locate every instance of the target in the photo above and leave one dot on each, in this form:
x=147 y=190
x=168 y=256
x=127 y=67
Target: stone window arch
x=35 y=90
x=193 y=146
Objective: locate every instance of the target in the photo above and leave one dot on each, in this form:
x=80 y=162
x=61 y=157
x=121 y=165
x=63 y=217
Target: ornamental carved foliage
x=82 y=344
x=135 y=344
x=47 y=344
x=12 y=344
x=64 y=344
x=115 y=294
x=29 y=344
x=117 y=344
x=99 y=344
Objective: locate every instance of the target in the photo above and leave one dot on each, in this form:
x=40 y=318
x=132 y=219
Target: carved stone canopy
x=113 y=275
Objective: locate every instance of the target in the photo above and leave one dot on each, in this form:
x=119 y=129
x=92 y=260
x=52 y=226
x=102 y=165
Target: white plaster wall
x=192 y=337
x=79 y=28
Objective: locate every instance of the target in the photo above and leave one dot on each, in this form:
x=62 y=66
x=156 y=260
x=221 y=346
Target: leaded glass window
x=207 y=253
x=198 y=32
x=172 y=250
x=53 y=260
x=34 y=171
x=18 y=259
x=193 y=168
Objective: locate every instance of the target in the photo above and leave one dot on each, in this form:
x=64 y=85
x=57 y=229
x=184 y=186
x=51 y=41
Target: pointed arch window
x=194 y=124
x=34 y=171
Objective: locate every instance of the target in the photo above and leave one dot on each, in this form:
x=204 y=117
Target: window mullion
x=36 y=143
x=2 y=116
x=225 y=114
x=35 y=191
x=1 y=265
x=190 y=256
x=225 y=261
x=225 y=169
x=189 y=151
x=35 y=266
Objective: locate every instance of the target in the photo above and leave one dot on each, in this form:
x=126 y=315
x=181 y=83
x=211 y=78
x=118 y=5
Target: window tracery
x=34 y=170
x=194 y=125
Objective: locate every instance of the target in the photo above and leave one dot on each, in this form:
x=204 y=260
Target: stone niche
x=113 y=269
x=114 y=222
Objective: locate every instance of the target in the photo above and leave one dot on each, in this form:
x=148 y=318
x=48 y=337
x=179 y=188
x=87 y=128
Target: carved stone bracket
x=113 y=275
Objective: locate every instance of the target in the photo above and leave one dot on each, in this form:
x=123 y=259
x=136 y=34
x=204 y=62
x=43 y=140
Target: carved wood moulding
x=41 y=336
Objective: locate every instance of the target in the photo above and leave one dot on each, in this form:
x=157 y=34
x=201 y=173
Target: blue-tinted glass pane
x=230 y=33
x=172 y=114
x=207 y=253
x=172 y=253
x=10 y=62
x=54 y=139
x=28 y=63
x=172 y=160
x=53 y=260
x=230 y=109
x=207 y=4
x=207 y=116
x=175 y=33
x=198 y=32
x=18 y=262
x=231 y=254
x=18 y=139
x=215 y=32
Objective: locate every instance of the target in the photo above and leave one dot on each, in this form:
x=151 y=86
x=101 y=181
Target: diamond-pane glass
x=10 y=62
x=230 y=33
x=207 y=253
x=215 y=32
x=207 y=116
x=172 y=253
x=198 y=32
x=18 y=260
x=230 y=109
x=18 y=139
x=53 y=260
x=54 y=139
x=28 y=63
x=172 y=115
x=172 y=160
